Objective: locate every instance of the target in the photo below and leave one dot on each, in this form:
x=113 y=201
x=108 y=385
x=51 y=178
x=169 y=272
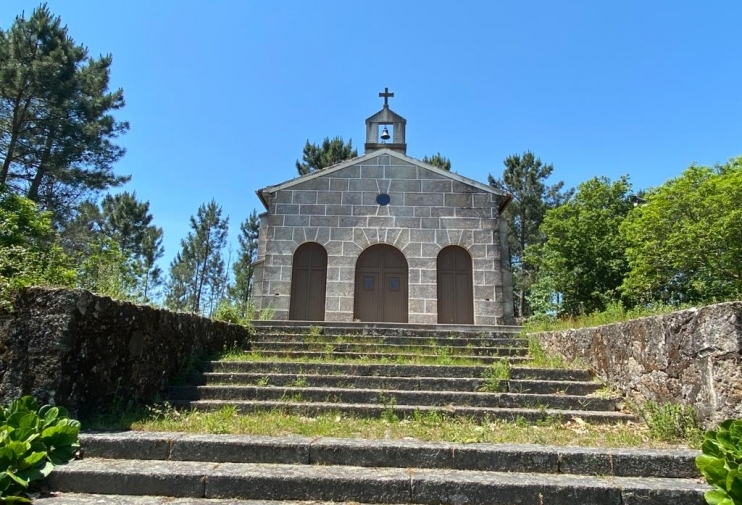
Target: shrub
x=719 y=463
x=32 y=441
x=671 y=422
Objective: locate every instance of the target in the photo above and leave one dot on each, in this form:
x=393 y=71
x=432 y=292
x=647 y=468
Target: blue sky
x=222 y=95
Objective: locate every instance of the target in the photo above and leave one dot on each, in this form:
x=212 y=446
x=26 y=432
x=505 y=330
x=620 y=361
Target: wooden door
x=381 y=285
x=455 y=293
x=308 y=283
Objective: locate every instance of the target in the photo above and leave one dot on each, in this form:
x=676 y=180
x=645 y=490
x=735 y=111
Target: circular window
x=383 y=199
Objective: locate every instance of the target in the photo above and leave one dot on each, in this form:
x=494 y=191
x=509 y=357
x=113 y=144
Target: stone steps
x=412 y=341
x=397 y=397
x=391 y=370
x=396 y=349
x=400 y=357
x=371 y=471
x=388 y=329
x=406 y=383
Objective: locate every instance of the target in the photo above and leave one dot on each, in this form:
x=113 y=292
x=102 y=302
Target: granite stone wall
x=691 y=356
x=89 y=352
x=427 y=212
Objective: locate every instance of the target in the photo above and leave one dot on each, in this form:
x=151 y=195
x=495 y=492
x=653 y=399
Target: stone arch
x=308 y=283
x=455 y=286
x=381 y=285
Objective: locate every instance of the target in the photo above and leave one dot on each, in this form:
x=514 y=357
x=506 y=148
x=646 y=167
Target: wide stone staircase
x=379 y=370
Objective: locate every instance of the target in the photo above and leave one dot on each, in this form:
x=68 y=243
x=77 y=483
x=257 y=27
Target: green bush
x=32 y=441
x=719 y=463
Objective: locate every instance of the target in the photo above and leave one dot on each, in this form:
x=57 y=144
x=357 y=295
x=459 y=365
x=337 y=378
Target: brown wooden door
x=308 y=282
x=381 y=285
x=455 y=293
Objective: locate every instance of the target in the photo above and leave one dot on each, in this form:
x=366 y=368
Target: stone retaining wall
x=691 y=356
x=88 y=352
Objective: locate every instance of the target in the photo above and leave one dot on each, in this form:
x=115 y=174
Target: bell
x=385 y=134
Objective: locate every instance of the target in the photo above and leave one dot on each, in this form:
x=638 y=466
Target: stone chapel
x=384 y=238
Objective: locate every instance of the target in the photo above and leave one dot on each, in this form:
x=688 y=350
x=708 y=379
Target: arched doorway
x=381 y=285
x=308 y=282
x=455 y=293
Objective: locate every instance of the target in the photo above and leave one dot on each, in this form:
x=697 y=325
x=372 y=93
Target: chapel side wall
x=427 y=212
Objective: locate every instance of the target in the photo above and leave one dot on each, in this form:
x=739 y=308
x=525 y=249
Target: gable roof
x=360 y=159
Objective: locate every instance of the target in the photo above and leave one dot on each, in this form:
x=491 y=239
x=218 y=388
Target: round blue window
x=383 y=199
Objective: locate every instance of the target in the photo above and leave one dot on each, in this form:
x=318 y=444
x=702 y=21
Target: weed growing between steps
x=431 y=426
x=409 y=359
x=493 y=377
x=672 y=422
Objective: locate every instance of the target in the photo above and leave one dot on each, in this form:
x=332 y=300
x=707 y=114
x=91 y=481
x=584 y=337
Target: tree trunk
x=33 y=191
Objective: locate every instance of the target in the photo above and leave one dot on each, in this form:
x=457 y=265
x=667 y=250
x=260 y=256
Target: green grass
x=433 y=426
x=615 y=313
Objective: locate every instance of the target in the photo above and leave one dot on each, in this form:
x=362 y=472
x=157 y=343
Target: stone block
x=421 y=263
x=414 y=275
x=275 y=220
x=371 y=234
x=337 y=184
x=405 y=186
x=296 y=220
x=282 y=233
x=351 y=250
x=329 y=221
x=332 y=303
x=372 y=172
x=467 y=238
x=285 y=196
x=338 y=210
x=455 y=236
x=478 y=251
x=412 y=250
x=346 y=303
x=483 y=200
x=426 y=291
x=460 y=187
x=493 y=252
x=286 y=208
x=398 y=210
x=353 y=221
x=485 y=213
x=365 y=210
x=423 y=319
x=442 y=212
x=323 y=235
x=380 y=222
x=369 y=198
x=279 y=260
x=431 y=307
x=422 y=211
x=332 y=273
x=362 y=185
x=280 y=247
x=428 y=276
x=341 y=234
x=383 y=159
x=316 y=210
x=346 y=274
x=430 y=223
x=408 y=222
x=331 y=197
x=430 y=250
x=424 y=236
x=460 y=223
x=486 y=293
x=484 y=237
x=400 y=172
x=482 y=264
x=436 y=186
x=318 y=183
x=420 y=199
x=305 y=197
x=458 y=200
x=416 y=306
x=334 y=247
x=351 y=172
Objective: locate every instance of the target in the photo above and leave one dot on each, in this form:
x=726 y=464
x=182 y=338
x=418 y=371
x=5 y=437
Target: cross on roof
x=386 y=96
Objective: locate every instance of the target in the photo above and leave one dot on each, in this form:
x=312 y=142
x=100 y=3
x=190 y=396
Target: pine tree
x=438 y=160
x=198 y=273
x=243 y=268
x=331 y=151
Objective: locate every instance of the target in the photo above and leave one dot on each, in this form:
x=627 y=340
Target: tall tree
x=197 y=274
x=438 y=160
x=525 y=178
x=243 y=268
x=330 y=152
x=57 y=132
x=582 y=262
x=685 y=239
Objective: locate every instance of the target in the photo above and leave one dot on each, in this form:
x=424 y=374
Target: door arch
x=455 y=292
x=381 y=285
x=308 y=283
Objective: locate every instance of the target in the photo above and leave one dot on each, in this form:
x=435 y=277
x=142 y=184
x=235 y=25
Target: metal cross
x=386 y=96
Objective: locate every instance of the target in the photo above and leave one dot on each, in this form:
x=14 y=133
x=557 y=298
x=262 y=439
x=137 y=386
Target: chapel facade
x=384 y=238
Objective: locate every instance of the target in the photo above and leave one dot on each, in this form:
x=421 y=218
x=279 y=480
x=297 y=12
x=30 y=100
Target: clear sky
x=222 y=94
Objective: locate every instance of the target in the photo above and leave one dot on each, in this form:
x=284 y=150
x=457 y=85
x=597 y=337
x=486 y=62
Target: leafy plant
x=497 y=372
x=32 y=441
x=720 y=461
x=671 y=421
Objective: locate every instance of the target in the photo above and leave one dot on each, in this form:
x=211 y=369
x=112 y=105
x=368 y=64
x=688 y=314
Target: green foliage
x=244 y=267
x=198 y=277
x=671 y=422
x=685 y=241
x=496 y=373
x=28 y=252
x=330 y=152
x=524 y=177
x=541 y=358
x=438 y=160
x=720 y=461
x=57 y=130
x=582 y=262
x=32 y=441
